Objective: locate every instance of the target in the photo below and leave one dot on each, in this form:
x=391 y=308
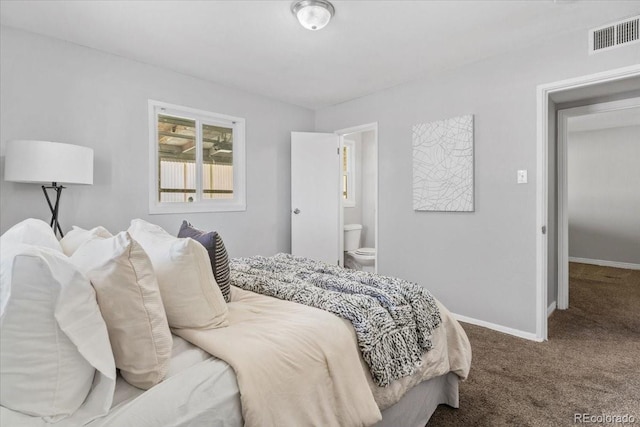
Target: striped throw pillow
x=217 y=254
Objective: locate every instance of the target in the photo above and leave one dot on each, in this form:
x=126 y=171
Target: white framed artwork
x=443 y=165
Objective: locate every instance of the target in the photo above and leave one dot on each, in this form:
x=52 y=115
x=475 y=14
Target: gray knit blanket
x=393 y=319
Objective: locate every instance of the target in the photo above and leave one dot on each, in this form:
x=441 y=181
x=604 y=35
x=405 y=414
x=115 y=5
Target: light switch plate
x=522 y=176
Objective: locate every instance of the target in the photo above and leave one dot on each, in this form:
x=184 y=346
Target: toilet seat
x=366 y=251
x=368 y=258
x=358 y=260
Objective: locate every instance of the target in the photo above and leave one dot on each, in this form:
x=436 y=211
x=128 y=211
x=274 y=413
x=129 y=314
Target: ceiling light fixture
x=313 y=14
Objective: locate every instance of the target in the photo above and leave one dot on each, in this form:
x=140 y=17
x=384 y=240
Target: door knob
x=296 y=211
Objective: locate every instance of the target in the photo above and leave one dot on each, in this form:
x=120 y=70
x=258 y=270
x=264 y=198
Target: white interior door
x=315 y=196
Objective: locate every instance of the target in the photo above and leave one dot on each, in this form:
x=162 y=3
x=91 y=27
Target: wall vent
x=611 y=36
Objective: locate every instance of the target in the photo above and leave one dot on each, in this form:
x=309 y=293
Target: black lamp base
x=54 y=208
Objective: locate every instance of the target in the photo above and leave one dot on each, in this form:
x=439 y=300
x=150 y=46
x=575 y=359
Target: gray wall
x=604 y=194
x=58 y=91
x=481 y=264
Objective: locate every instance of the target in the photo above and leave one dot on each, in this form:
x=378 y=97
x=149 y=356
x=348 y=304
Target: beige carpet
x=591 y=363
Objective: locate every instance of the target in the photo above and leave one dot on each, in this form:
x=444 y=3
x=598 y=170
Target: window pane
x=217 y=156
x=344 y=186
x=177 y=157
x=345 y=158
x=345 y=172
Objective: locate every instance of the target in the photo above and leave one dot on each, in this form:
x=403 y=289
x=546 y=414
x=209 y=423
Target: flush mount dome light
x=313 y=14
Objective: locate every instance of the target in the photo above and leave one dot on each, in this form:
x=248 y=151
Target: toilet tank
x=352 y=236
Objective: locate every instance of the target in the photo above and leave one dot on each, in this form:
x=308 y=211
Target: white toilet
x=355 y=257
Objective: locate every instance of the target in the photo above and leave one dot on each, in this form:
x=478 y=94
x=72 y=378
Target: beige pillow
x=191 y=297
x=131 y=305
x=77 y=236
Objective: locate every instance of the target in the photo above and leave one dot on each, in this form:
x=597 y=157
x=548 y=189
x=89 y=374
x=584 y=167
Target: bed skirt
x=418 y=404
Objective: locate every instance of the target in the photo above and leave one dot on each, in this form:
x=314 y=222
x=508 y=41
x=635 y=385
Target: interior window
x=197 y=161
x=348 y=173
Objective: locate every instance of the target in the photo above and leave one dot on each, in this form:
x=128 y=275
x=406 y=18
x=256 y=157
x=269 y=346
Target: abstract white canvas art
x=443 y=165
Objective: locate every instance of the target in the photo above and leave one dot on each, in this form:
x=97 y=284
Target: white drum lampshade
x=48 y=162
x=51 y=164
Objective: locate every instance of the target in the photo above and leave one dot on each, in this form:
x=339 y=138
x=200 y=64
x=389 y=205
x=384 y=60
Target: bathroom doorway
x=359 y=197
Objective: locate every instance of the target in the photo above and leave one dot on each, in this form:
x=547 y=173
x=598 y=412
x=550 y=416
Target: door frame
x=544 y=93
x=355 y=129
x=563 y=185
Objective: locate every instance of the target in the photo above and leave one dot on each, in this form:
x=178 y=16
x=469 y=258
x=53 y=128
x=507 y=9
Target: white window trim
x=238 y=203
x=350 y=202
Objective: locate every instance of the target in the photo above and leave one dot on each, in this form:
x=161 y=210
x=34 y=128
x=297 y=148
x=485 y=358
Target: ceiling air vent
x=614 y=35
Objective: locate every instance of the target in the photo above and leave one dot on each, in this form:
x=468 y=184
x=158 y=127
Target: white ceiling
x=258 y=46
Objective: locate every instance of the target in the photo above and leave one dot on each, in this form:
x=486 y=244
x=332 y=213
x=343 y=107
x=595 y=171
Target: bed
x=278 y=362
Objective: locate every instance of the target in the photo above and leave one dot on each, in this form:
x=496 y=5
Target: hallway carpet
x=590 y=364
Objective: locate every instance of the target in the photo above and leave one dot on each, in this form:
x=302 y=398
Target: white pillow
x=53 y=339
x=131 y=306
x=191 y=297
x=77 y=236
x=31 y=232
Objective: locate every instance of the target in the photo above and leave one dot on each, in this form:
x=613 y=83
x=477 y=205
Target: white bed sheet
x=204 y=393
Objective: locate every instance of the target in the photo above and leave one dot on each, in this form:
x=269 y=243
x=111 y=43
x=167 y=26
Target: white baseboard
x=605 y=263
x=504 y=329
x=551 y=308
